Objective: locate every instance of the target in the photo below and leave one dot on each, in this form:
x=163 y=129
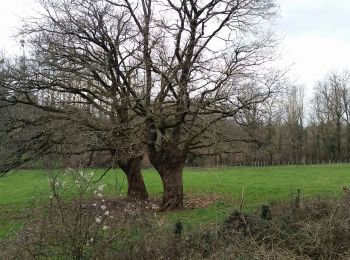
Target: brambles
x=120 y=229
x=86 y=227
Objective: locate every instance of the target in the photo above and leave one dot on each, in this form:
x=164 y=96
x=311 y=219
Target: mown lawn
x=24 y=189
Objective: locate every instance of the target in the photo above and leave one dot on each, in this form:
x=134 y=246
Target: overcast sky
x=316 y=38
x=315 y=35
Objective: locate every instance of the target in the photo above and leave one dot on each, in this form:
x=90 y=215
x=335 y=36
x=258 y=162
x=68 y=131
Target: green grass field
x=24 y=189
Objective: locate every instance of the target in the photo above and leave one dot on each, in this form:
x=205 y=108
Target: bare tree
x=330 y=112
x=200 y=60
x=343 y=80
x=294 y=123
x=80 y=69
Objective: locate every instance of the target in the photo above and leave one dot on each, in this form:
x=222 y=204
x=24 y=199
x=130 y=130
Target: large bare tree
x=203 y=62
x=79 y=70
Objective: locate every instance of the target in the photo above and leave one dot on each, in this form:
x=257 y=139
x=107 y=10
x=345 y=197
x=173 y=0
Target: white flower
x=103 y=200
x=92 y=174
x=81 y=173
x=91 y=240
x=100 y=188
x=154 y=206
x=98 y=220
x=94 y=204
x=95 y=192
x=105 y=227
x=50 y=197
x=103 y=207
x=99 y=195
x=107 y=213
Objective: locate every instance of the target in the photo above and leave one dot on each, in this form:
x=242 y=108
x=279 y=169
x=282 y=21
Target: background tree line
x=291 y=129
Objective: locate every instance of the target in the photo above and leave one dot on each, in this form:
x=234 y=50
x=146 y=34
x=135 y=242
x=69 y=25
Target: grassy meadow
x=22 y=190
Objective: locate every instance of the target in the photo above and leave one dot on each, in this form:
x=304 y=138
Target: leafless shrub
x=316 y=229
x=85 y=226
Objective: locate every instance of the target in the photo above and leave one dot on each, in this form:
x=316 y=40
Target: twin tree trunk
x=136 y=185
x=169 y=163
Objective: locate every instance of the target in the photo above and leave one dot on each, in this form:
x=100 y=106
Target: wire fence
x=258 y=164
x=255 y=164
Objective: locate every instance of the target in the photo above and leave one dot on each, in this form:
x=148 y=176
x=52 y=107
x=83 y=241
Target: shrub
x=93 y=227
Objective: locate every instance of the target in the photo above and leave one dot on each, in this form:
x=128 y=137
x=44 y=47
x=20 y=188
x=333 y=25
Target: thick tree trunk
x=170 y=163
x=173 y=196
x=136 y=185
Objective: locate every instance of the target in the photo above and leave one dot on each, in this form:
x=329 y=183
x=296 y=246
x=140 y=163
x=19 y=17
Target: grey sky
x=317 y=38
x=316 y=35
x=316 y=16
